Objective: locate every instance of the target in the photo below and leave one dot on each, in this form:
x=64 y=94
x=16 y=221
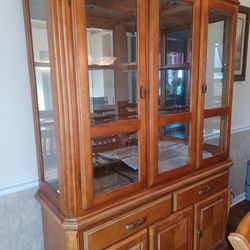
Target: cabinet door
x=174 y=232
x=216 y=79
x=138 y=241
x=210 y=221
x=173 y=28
x=110 y=38
x=44 y=93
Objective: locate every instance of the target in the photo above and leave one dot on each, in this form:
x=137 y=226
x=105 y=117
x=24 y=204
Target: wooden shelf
x=122 y=66
x=176 y=66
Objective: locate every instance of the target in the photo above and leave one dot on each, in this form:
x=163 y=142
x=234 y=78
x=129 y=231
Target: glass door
x=42 y=87
x=216 y=80
x=173 y=28
x=115 y=45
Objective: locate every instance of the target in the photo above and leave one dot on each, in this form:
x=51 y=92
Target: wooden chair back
x=240 y=240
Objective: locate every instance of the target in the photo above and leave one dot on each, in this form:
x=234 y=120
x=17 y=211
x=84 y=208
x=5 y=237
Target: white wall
x=241 y=98
x=18 y=167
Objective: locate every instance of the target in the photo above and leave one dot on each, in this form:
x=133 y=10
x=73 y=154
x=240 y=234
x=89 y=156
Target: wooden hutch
x=132 y=107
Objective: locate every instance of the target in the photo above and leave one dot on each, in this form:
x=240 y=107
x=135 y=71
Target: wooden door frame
x=155 y=120
x=226 y=7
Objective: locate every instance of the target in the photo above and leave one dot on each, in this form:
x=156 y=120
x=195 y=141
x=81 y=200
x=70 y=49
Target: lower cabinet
x=210 y=221
x=138 y=241
x=174 y=232
x=192 y=217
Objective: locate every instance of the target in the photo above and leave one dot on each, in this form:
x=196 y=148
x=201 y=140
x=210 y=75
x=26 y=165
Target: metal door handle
x=143 y=92
x=135 y=224
x=204 y=191
x=204 y=88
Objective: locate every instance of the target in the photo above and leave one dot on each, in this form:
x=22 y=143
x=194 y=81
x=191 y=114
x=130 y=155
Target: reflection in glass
x=112 y=59
x=218 y=47
x=103 y=105
x=173 y=146
x=175 y=48
x=115 y=161
x=175 y=93
x=213 y=141
x=44 y=91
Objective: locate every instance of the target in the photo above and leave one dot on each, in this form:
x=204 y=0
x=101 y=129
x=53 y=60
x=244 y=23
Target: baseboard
x=5 y=190
x=238 y=199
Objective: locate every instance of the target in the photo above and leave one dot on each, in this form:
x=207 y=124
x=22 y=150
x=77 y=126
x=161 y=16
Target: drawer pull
x=205 y=191
x=135 y=224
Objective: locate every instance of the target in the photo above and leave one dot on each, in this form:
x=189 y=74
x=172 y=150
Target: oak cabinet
x=132 y=104
x=174 y=232
x=138 y=241
x=210 y=221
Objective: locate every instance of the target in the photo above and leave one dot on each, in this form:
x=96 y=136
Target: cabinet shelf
x=184 y=66
x=123 y=67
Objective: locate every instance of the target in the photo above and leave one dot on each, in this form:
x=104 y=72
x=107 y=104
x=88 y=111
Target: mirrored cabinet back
x=132 y=106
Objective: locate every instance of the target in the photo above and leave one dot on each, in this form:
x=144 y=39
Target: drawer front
x=193 y=193
x=119 y=228
x=137 y=241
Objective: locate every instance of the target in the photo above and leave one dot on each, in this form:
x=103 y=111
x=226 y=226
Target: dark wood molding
x=242 y=76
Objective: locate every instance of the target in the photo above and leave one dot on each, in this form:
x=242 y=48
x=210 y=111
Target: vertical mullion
x=82 y=80
x=194 y=79
x=153 y=87
x=141 y=72
x=201 y=81
x=231 y=76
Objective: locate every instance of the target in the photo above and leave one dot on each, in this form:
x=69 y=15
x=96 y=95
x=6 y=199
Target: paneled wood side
x=54 y=238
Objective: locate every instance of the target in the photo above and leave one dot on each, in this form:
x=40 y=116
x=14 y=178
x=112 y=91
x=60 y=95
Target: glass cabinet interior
x=44 y=95
x=112 y=45
x=175 y=56
x=219 y=47
x=112 y=61
x=174 y=84
x=121 y=122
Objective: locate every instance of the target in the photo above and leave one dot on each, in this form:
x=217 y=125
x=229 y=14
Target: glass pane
x=44 y=91
x=103 y=105
x=175 y=50
x=112 y=59
x=218 y=51
x=213 y=138
x=115 y=161
x=174 y=93
x=173 y=146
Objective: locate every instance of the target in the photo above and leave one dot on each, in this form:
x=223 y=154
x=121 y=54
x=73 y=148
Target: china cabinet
x=132 y=108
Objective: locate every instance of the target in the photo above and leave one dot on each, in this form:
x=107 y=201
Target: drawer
x=193 y=193
x=119 y=228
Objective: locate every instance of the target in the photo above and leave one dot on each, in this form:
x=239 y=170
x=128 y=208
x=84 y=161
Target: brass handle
x=135 y=224
x=143 y=92
x=199 y=235
x=204 y=88
x=204 y=191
